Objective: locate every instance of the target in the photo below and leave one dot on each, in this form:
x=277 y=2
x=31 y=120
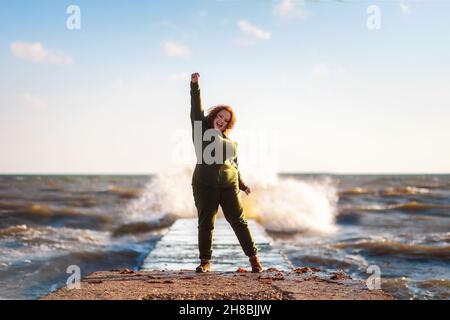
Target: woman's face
x=221 y=121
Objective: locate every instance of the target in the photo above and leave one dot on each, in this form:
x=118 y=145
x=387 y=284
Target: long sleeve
x=196 y=104
x=242 y=185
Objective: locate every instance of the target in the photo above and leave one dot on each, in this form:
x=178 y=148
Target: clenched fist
x=195 y=77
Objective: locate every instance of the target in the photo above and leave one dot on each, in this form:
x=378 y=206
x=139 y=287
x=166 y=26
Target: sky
x=317 y=86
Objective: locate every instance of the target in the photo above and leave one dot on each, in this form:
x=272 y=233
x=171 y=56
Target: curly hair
x=212 y=114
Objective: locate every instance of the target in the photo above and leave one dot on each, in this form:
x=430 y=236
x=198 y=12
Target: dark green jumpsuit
x=215 y=184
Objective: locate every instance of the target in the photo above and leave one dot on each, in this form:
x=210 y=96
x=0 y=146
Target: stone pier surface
x=178 y=249
x=167 y=274
x=188 y=285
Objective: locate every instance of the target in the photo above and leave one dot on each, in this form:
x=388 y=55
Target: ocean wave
x=122 y=192
x=71 y=217
x=52 y=185
x=411 y=207
x=41 y=243
x=292 y=205
x=40 y=204
x=13 y=230
x=168 y=193
x=407 y=288
x=437 y=238
x=24 y=233
x=356 y=191
x=366 y=207
x=417 y=206
x=143 y=227
x=279 y=204
x=7 y=206
x=407 y=190
x=40 y=212
x=36 y=209
x=23 y=243
x=400 y=191
x=381 y=247
x=434 y=288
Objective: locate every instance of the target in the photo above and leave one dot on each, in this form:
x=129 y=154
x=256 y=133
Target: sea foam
x=280 y=204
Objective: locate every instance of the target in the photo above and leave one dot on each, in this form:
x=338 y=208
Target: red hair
x=212 y=114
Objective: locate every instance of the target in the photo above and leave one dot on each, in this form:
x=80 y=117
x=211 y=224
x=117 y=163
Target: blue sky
x=310 y=83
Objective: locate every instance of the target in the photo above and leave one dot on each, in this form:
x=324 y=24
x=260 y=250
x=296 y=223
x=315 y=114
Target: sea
x=398 y=225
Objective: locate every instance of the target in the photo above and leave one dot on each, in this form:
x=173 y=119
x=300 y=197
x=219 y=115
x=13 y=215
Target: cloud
x=176 y=50
x=404 y=8
x=253 y=31
x=290 y=9
x=36 y=52
x=34 y=102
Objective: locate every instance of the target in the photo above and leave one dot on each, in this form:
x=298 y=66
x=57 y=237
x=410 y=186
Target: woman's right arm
x=196 y=101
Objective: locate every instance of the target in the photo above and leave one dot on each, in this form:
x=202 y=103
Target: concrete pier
x=178 y=249
x=167 y=274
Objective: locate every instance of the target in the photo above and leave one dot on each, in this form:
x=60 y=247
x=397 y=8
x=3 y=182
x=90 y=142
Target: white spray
x=287 y=204
x=281 y=204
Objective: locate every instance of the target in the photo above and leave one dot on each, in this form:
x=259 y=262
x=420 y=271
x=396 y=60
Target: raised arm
x=196 y=101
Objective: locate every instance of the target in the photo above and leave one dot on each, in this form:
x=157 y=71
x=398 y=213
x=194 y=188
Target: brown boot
x=205 y=266
x=256 y=265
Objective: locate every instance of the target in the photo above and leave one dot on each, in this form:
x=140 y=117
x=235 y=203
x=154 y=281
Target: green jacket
x=218 y=175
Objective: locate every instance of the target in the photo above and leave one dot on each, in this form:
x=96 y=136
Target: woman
x=216 y=179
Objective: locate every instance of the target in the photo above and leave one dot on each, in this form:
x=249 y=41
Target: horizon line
x=278 y=173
